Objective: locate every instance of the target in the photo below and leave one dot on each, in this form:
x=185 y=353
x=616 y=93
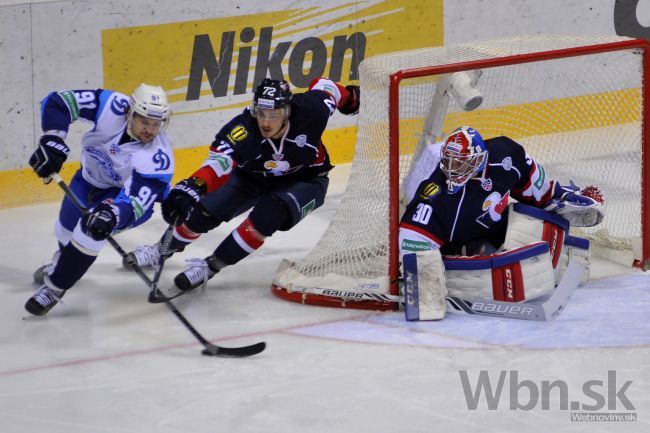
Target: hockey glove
x=181 y=199
x=351 y=105
x=50 y=155
x=101 y=221
x=582 y=208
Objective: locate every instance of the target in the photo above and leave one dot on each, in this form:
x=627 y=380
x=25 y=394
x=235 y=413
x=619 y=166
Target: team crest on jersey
x=120 y=106
x=494 y=205
x=104 y=162
x=162 y=160
x=507 y=163
x=429 y=190
x=486 y=184
x=276 y=165
x=238 y=133
x=115 y=149
x=301 y=140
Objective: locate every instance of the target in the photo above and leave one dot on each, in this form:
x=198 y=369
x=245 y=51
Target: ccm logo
x=510 y=291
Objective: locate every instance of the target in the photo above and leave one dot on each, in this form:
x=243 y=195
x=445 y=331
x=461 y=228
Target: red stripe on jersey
x=345 y=94
x=212 y=181
x=423 y=232
x=320 y=156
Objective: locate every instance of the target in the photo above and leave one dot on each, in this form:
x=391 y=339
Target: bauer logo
x=214 y=64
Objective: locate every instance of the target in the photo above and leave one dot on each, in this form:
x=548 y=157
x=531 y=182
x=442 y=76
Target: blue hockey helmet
x=462 y=156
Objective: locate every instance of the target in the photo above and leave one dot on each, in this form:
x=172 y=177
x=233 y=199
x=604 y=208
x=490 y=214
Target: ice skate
x=198 y=274
x=144 y=256
x=46 y=269
x=44 y=299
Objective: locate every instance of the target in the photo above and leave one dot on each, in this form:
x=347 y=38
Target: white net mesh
x=579 y=116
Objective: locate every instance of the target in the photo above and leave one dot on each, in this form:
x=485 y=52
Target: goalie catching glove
x=181 y=199
x=49 y=156
x=582 y=208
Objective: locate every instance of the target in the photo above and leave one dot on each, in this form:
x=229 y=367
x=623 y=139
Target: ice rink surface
x=108 y=361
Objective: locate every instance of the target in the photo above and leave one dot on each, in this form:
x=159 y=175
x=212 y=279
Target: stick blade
x=234 y=352
x=563 y=292
x=158 y=298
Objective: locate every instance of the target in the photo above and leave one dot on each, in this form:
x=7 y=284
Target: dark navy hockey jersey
x=436 y=218
x=300 y=152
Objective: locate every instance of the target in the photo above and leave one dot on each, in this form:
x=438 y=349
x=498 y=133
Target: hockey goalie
x=461 y=236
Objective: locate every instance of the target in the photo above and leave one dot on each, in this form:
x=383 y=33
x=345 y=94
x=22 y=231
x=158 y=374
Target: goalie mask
x=462 y=156
x=150 y=109
x=272 y=95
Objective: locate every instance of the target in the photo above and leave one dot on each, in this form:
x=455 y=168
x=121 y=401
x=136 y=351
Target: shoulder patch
x=71 y=102
x=238 y=133
x=429 y=190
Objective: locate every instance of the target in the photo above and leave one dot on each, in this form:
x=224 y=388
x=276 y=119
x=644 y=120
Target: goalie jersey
x=435 y=218
x=110 y=158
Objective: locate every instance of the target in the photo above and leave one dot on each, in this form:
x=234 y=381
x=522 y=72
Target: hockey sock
x=239 y=243
x=182 y=237
x=71 y=266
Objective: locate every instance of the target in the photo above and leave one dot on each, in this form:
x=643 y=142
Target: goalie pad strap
x=554 y=236
x=508 y=283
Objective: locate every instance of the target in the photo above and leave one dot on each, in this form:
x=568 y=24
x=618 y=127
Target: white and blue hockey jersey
x=109 y=156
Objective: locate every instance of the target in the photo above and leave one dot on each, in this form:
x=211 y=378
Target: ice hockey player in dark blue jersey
x=126 y=166
x=460 y=207
x=270 y=159
x=460 y=236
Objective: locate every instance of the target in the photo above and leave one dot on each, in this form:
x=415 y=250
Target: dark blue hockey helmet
x=271 y=95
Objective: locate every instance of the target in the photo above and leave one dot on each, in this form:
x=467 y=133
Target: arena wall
x=187 y=46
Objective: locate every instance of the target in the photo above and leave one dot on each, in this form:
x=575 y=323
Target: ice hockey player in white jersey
x=126 y=166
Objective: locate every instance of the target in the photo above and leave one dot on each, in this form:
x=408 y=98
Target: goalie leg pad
x=425 y=289
x=576 y=250
x=513 y=276
x=527 y=224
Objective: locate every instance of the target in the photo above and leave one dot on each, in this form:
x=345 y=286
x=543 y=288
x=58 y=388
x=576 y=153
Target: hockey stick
x=209 y=348
x=542 y=309
x=153 y=297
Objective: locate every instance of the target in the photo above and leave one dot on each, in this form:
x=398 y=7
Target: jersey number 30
x=422 y=213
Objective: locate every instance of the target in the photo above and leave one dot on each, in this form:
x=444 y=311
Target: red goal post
x=577 y=103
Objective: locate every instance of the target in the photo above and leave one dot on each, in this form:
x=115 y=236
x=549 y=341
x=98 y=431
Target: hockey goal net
x=576 y=103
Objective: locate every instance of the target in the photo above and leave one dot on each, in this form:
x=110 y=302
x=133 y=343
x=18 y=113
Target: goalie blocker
x=536 y=252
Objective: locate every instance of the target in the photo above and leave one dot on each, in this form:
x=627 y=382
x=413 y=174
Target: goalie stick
x=541 y=309
x=209 y=348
